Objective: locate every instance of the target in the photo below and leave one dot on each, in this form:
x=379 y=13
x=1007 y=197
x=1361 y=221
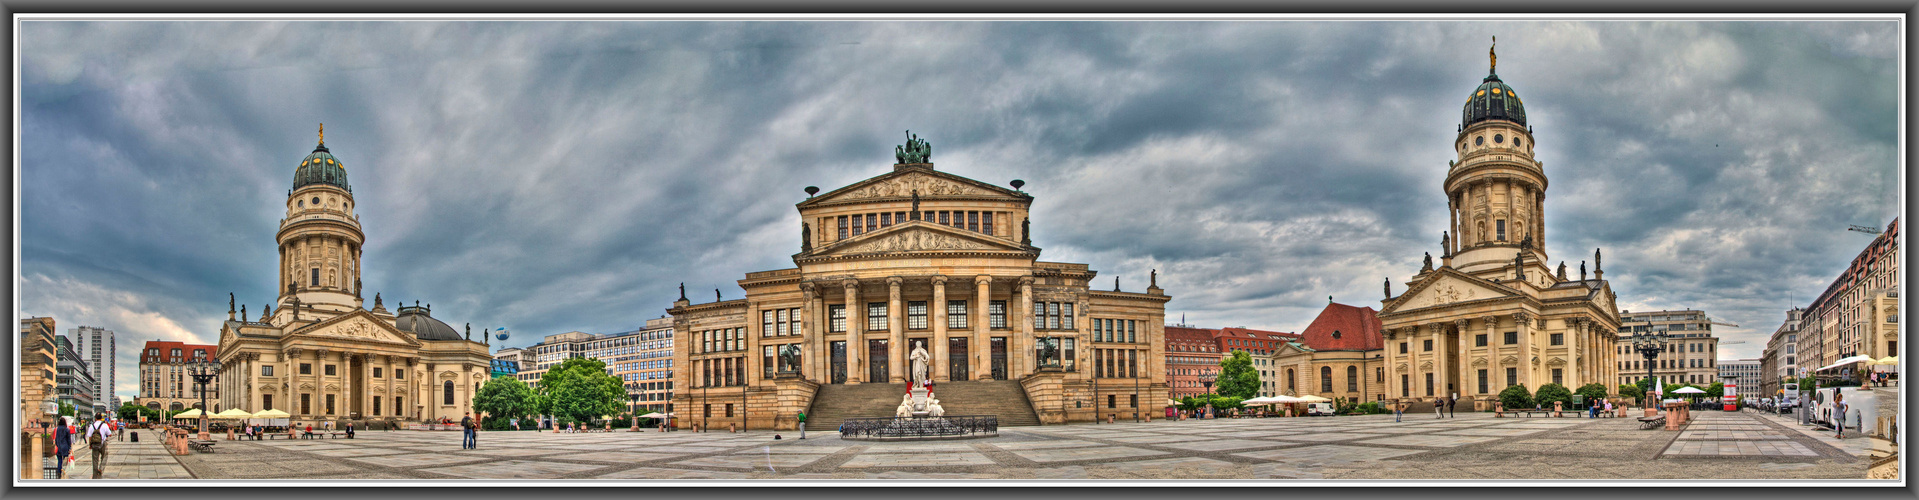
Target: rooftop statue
x=914 y=151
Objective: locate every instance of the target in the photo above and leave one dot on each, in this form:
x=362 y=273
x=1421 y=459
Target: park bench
x=337 y=434
x=1652 y=422
x=1529 y=413
x=203 y=446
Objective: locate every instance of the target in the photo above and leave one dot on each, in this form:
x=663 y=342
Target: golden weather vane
x=1493 y=55
x=323 y=133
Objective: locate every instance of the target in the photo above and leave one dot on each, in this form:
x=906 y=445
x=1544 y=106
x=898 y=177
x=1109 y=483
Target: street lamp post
x=1206 y=379
x=203 y=376
x=1650 y=345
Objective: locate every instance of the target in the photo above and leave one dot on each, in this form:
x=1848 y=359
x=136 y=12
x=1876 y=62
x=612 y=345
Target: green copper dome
x=321 y=168
x=1493 y=100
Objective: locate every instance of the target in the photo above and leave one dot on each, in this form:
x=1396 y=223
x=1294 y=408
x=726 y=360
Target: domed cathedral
x=919 y=267
x=316 y=352
x=1493 y=313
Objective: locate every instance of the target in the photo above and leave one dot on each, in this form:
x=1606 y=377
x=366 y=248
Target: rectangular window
x=306 y=404
x=793 y=321
x=1501 y=229
x=1512 y=377
x=266 y=370
x=399 y=374
x=376 y=406
x=876 y=317
x=706 y=341
x=1559 y=339
x=1132 y=328
x=1482 y=381
x=872 y=222
x=1066 y=315
x=859 y=224
x=886 y=219
x=1429 y=384
x=779 y=322
x=972 y=221
x=1135 y=399
x=1110 y=398
x=1428 y=345
x=986 y=222
x=1558 y=376
x=1479 y=340
x=1402 y=347
x=836 y=318
x=376 y=372
x=766 y=361
x=316 y=277
x=767 y=324
x=842 y=227
x=1067 y=362
x=944 y=220
x=1132 y=363
x=329 y=404
x=1405 y=385
x=956 y=314
x=1512 y=338
x=996 y=314
x=916 y=315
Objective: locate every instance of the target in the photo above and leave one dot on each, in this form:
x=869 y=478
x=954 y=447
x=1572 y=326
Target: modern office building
x=1740 y=371
x=1692 y=356
x=97 y=345
x=75 y=379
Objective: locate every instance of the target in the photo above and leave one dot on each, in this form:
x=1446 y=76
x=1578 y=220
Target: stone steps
x=1001 y=398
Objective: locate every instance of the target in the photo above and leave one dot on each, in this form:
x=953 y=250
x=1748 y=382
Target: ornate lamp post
x=1206 y=379
x=1650 y=345
x=202 y=375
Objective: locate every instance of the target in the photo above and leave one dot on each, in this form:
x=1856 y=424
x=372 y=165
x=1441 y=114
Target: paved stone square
x=1471 y=445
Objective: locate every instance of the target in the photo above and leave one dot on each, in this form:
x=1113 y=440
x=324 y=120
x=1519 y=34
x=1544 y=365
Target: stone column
x=809 y=350
x=1392 y=363
x=1520 y=320
x=1024 y=304
x=1495 y=370
x=855 y=326
x=983 y=286
x=1452 y=212
x=1439 y=359
x=896 y=330
x=1465 y=358
x=818 y=352
x=942 y=355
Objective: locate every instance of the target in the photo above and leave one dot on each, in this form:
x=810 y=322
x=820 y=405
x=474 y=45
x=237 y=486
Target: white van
x=1862 y=408
x=1325 y=409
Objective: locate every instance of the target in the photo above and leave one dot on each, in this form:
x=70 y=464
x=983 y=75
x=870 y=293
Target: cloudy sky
x=558 y=176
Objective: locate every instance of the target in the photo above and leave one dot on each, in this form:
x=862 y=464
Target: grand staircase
x=1002 y=398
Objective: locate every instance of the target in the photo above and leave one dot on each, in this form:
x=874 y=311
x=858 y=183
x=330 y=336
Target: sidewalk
x=1854 y=444
x=147 y=459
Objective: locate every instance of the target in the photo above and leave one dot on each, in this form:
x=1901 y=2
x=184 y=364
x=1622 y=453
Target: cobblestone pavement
x=146 y=459
x=1472 y=446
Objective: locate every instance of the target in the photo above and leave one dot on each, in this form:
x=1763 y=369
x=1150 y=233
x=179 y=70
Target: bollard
x=730 y=429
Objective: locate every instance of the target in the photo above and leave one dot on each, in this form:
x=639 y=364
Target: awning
x=1846 y=362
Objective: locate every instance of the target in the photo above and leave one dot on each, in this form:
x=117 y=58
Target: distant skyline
x=557 y=176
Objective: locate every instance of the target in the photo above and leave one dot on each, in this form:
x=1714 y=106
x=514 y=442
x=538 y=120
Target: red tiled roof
x=166 y=351
x=1189 y=340
x=1358 y=329
x=1249 y=339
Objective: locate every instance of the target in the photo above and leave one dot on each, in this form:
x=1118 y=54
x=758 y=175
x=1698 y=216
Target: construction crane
x=1864 y=229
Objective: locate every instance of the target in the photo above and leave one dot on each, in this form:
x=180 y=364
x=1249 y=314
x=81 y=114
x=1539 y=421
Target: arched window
x=1325 y=379
x=448 y=389
x=1352 y=379
x=1292 y=382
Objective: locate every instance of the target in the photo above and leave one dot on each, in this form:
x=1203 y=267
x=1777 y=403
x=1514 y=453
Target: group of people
x=95 y=435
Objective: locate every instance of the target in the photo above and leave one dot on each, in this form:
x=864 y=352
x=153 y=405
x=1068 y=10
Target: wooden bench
x=1652 y=422
x=203 y=446
x=1529 y=413
x=337 y=434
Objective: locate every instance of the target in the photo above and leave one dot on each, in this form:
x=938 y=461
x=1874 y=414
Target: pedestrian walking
x=1839 y=412
x=1452 y=406
x=802 y=424
x=1398 y=410
x=1439 y=408
x=467 y=431
x=97 y=436
x=62 y=447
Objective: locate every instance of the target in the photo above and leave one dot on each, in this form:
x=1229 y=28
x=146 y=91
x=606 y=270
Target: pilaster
x=942 y=354
x=855 y=330
x=896 y=329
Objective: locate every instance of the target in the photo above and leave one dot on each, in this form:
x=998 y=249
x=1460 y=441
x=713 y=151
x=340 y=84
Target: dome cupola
x=1493 y=100
x=321 y=167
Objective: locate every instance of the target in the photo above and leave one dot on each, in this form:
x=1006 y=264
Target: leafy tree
x=502 y=399
x=1716 y=390
x=1550 y=393
x=1237 y=378
x=580 y=390
x=67 y=410
x=1631 y=391
x=1228 y=403
x=131 y=412
x=1593 y=392
x=1190 y=403
x=1516 y=397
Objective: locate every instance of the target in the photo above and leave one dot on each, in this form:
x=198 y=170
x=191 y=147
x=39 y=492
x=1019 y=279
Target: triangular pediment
x=359 y=326
x=1445 y=287
x=901 y=183
x=1479 y=362
x=916 y=236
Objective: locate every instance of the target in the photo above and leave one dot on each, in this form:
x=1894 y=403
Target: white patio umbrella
x=1689 y=390
x=1313 y=399
x=654 y=415
x=1846 y=361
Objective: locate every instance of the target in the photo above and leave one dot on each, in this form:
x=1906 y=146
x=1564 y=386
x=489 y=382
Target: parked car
x=1325 y=409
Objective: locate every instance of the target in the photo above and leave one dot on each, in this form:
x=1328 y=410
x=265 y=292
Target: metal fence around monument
x=920 y=427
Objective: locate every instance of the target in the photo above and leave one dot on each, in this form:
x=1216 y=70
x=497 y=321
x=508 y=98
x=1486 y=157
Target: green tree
x=67 y=410
x=1593 y=392
x=1631 y=391
x=1716 y=390
x=131 y=412
x=502 y=399
x=1516 y=397
x=1550 y=393
x=580 y=390
x=1190 y=403
x=1237 y=378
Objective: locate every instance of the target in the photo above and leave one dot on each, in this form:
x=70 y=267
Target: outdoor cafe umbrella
x=233 y=413
x=1885 y=361
x=271 y=414
x=1313 y=399
x=654 y=415
x=1689 y=390
x=193 y=413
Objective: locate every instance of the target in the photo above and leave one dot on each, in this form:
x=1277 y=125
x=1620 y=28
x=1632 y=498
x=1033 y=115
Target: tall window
x=1402 y=347
x=1429 y=344
x=1325 y=379
x=767 y=362
x=1292 y=380
x=767 y=324
x=1132 y=329
x=1380 y=375
x=1500 y=226
x=1132 y=363
x=876 y=317
x=986 y=223
x=1558 y=376
x=1066 y=315
x=996 y=314
x=706 y=341
x=1512 y=377
x=329 y=403
x=916 y=315
x=1352 y=379
x=944 y=220
x=842 y=227
x=956 y=314
x=316 y=277
x=306 y=403
x=1405 y=385
x=886 y=219
x=1429 y=384
x=793 y=321
x=836 y=318
x=1482 y=381
x=872 y=223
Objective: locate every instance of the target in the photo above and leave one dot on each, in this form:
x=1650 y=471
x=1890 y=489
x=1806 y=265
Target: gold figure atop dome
x=323 y=134
x=1494 y=56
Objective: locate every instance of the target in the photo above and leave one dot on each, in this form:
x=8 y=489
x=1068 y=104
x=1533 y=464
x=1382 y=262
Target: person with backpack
x=62 y=446
x=466 y=431
x=97 y=436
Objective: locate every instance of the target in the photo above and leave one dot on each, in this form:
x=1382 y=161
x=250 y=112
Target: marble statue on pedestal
x=919 y=359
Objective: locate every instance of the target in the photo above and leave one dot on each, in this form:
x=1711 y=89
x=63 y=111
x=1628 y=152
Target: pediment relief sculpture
x=905 y=185
x=915 y=240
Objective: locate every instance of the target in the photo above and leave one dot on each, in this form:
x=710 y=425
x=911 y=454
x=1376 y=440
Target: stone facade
x=319 y=354
x=917 y=258
x=1691 y=356
x=1190 y=354
x=1780 y=363
x=164 y=381
x=1858 y=314
x=1338 y=356
x=38 y=371
x=1494 y=313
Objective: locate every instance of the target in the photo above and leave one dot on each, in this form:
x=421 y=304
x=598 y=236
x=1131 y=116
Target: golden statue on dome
x=1494 y=56
x=323 y=133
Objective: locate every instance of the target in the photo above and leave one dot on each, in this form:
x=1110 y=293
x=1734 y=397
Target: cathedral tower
x=320 y=238
x=1495 y=190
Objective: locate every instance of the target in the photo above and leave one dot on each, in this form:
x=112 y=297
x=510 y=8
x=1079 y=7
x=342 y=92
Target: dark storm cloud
x=548 y=176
